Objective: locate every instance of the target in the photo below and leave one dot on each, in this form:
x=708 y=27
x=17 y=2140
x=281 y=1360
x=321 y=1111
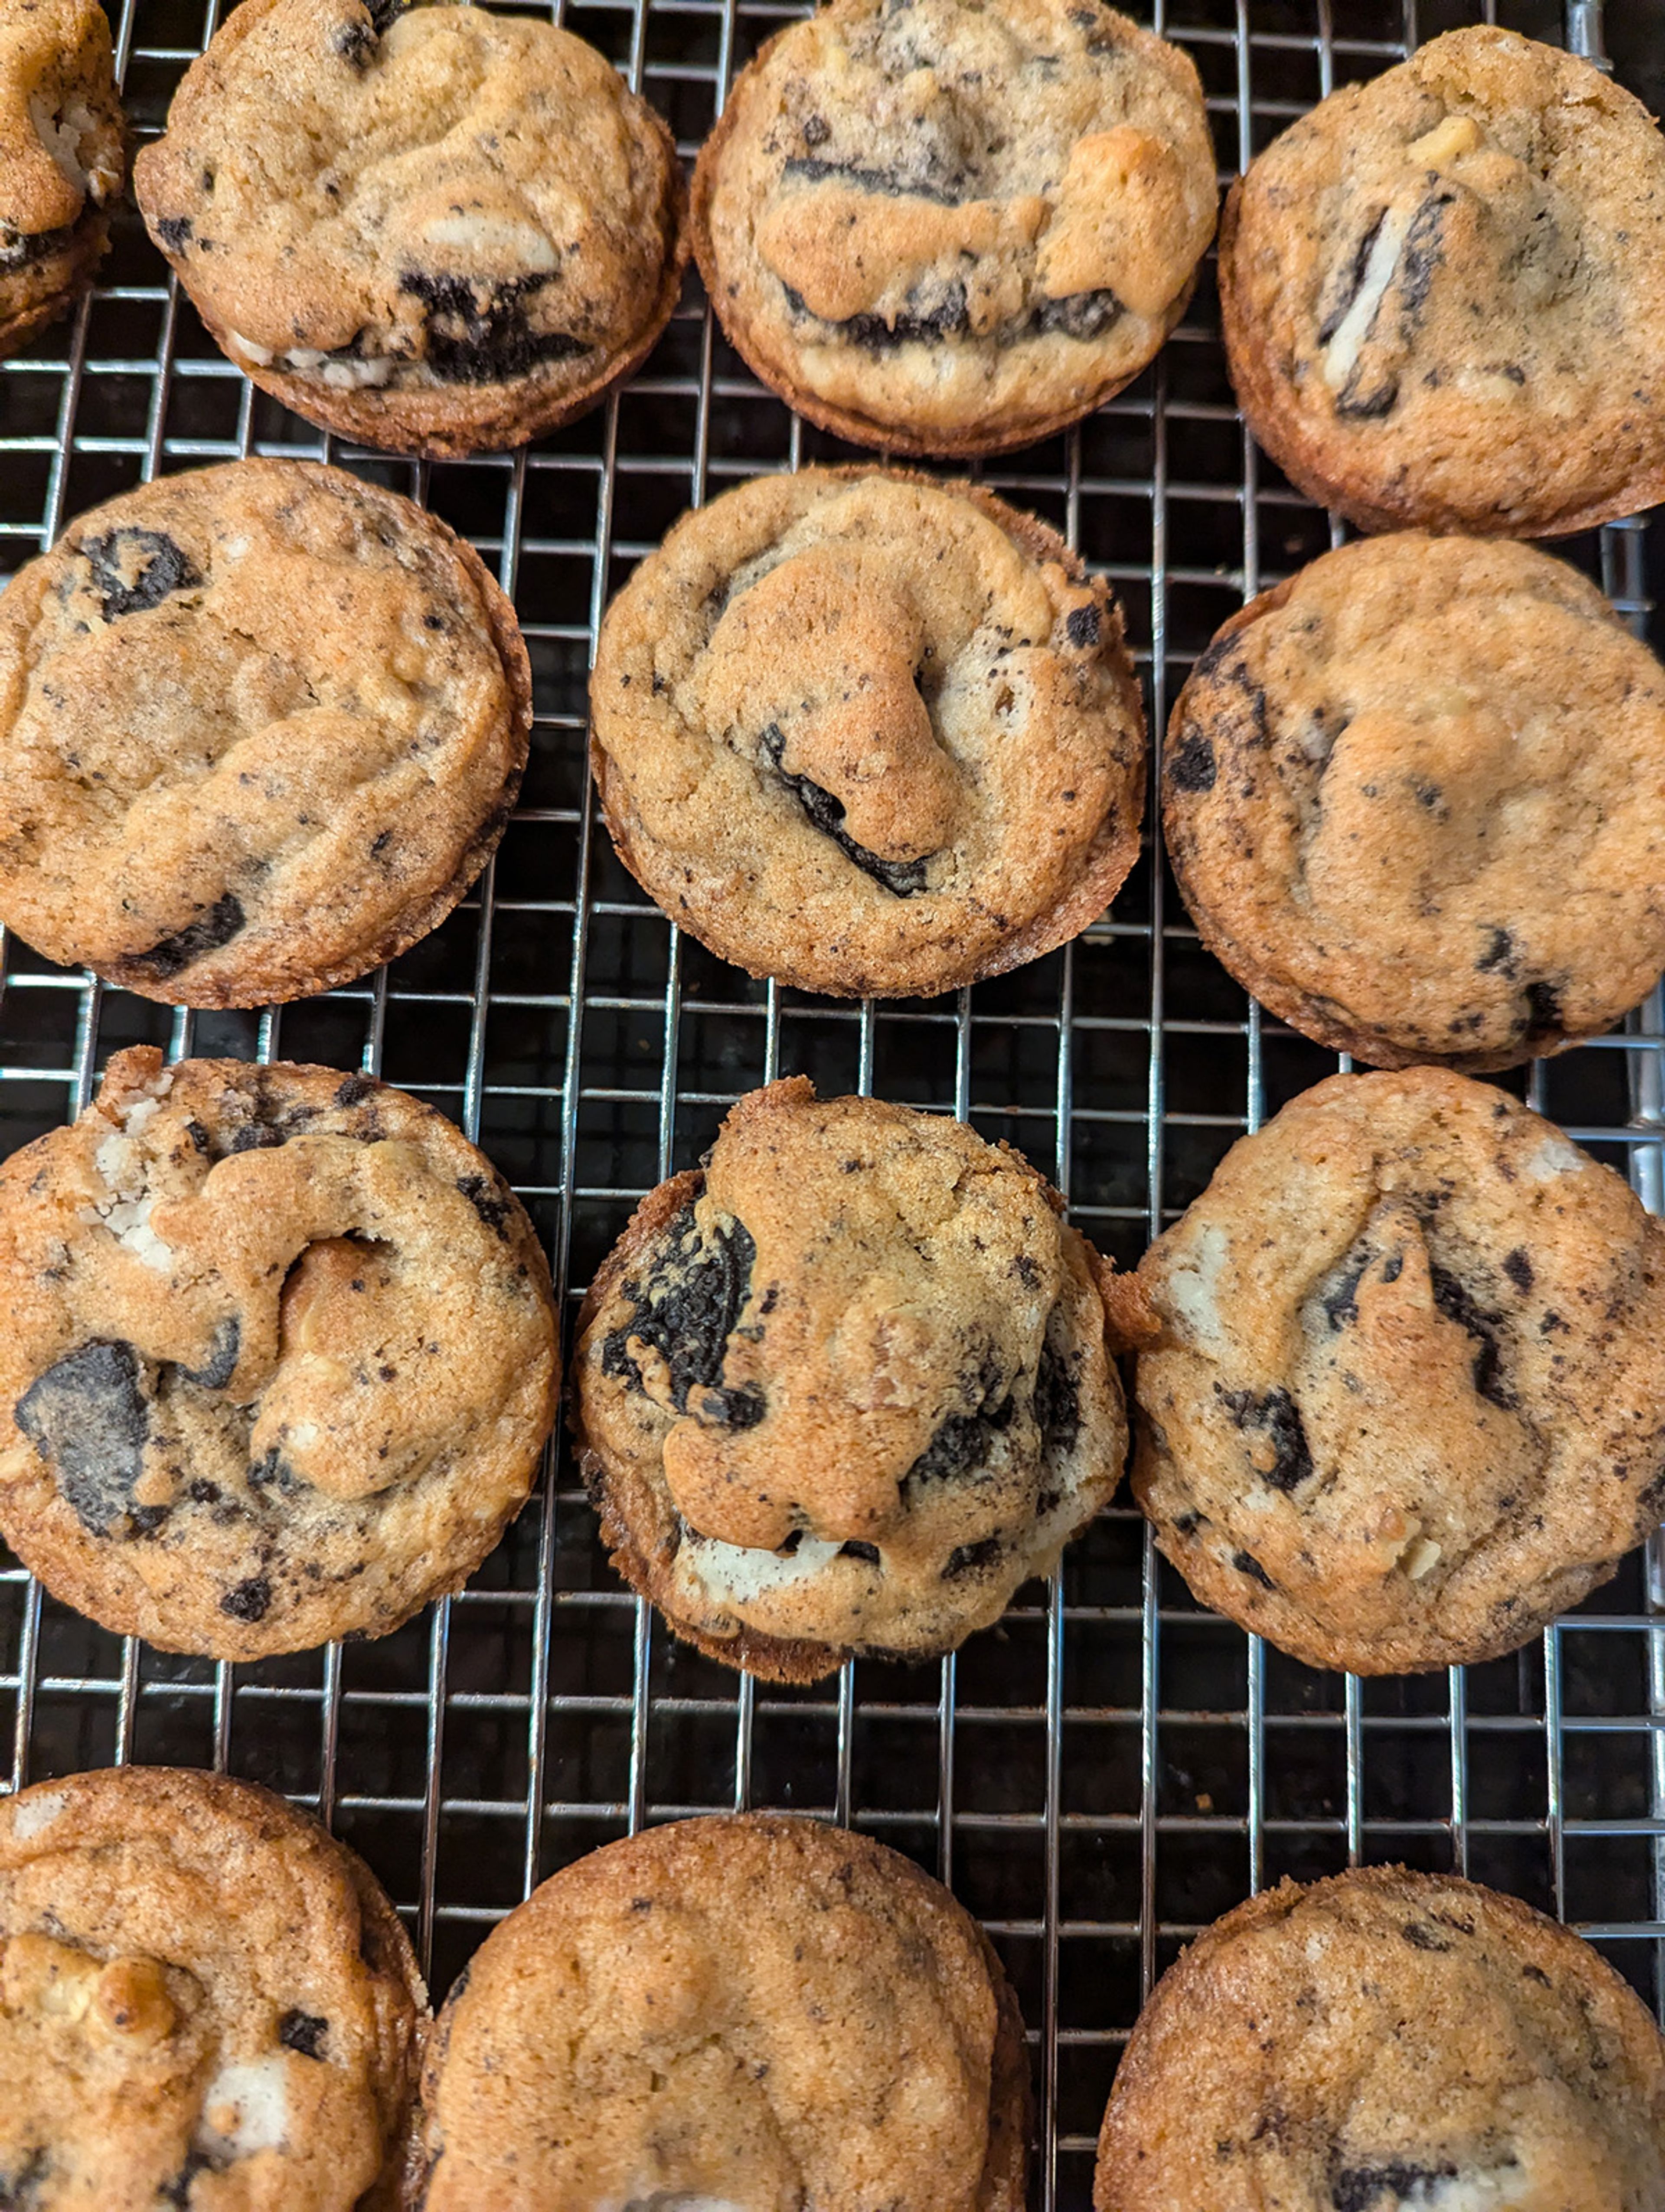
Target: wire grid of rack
x=1113 y=1767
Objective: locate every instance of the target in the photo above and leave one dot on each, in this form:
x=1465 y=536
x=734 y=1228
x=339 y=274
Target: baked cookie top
x=436 y=228
x=867 y=733
x=846 y=1387
x=1384 y=2040
x=942 y=228
x=61 y=130
x=1407 y=1403
x=279 y=1360
x=756 y=2011
x=1415 y=799
x=260 y=727
x=1443 y=294
x=205 y=2002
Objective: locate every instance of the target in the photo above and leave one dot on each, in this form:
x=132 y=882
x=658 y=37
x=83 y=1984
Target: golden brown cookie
x=261 y=727
x=1444 y=294
x=844 y=1388
x=63 y=158
x=755 y=2012
x=1387 y=2042
x=1407 y=1403
x=441 y=230
x=1415 y=801
x=280 y=1356
x=868 y=733
x=206 y=2003
x=943 y=228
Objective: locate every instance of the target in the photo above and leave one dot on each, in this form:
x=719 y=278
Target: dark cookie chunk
x=1304 y=2053
x=821 y=1410
x=1406 y=1403
x=263 y=1475
x=438 y=229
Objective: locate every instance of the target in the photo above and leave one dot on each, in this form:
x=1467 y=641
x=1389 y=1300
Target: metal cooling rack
x=1111 y=1767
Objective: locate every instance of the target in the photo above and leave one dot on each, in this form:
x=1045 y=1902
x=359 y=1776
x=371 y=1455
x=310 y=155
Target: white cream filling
x=740 y=1574
x=1341 y=354
x=1193 y=1278
x=64 y=138
x=31 y=1814
x=246 y=2107
x=481 y=233
x=1555 y=1155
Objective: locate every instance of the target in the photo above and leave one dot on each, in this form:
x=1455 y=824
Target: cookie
x=1406 y=1405
x=1443 y=295
x=279 y=1360
x=869 y=734
x=941 y=228
x=846 y=1386
x=1415 y=801
x=440 y=230
x=752 y=2010
x=205 y=2002
x=261 y=727
x=1387 y=2042
x=63 y=158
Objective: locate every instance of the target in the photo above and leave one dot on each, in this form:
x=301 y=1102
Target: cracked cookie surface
x=754 y=2010
x=441 y=230
x=940 y=228
x=1415 y=799
x=1406 y=1405
x=261 y=725
x=280 y=1360
x=1443 y=293
x=845 y=1387
x=206 y=2003
x=869 y=734
x=1388 y=2041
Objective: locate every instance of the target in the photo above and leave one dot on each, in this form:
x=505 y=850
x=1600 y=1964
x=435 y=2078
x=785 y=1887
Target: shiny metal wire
x=1112 y=1767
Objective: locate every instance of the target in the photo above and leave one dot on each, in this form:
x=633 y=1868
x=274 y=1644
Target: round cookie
x=1415 y=801
x=440 y=230
x=63 y=158
x=280 y=1356
x=1387 y=2042
x=261 y=727
x=205 y=2002
x=752 y=2010
x=845 y=1387
x=869 y=734
x=1406 y=1403
x=943 y=229
x=1443 y=295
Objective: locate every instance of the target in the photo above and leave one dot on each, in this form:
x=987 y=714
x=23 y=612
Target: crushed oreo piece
x=971 y=1558
x=1386 y=2188
x=1057 y=1402
x=482 y=1194
x=1457 y=1304
x=170 y=955
x=221 y=1362
x=963 y=1442
x=88 y=1417
x=826 y=814
x=688 y=1308
x=1081 y=625
x=303 y=2032
x=1276 y=1416
x=1247 y=1564
x=884 y=184
x=480 y=334
x=1191 y=765
x=248 y=1600
x=163 y=569
x=174 y=232
x=1078 y=315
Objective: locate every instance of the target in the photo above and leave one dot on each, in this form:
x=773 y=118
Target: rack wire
x=1112 y=1766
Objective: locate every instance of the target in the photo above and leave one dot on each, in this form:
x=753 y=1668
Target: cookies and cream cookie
x=63 y=158
x=438 y=229
x=280 y=1355
x=753 y=2011
x=943 y=228
x=261 y=725
x=868 y=733
x=1387 y=2042
x=1406 y=1404
x=206 y=2003
x=1415 y=801
x=844 y=1388
x=1443 y=294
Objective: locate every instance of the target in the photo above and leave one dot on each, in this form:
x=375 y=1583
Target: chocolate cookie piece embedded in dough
x=1443 y=294
x=1406 y=1403
x=1415 y=800
x=441 y=230
x=261 y=725
x=1387 y=2042
x=63 y=158
x=753 y=2011
x=941 y=228
x=845 y=1387
x=868 y=733
x=205 y=2000
x=280 y=1356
